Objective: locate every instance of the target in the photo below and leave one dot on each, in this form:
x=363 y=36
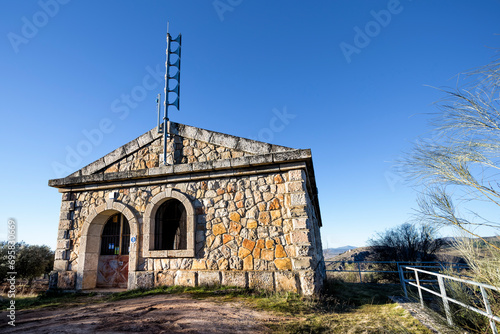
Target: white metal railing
x=442 y=293
x=362 y=266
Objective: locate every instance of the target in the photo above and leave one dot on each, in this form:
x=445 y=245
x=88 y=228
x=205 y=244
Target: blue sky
x=358 y=100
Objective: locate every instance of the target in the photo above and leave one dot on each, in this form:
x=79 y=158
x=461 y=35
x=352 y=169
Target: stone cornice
x=184 y=169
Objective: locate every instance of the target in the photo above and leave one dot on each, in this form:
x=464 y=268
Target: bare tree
x=406 y=242
x=461 y=161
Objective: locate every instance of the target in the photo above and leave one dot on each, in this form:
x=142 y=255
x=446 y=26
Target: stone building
x=223 y=210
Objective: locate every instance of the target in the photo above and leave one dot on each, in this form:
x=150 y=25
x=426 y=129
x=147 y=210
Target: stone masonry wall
x=258 y=231
x=179 y=149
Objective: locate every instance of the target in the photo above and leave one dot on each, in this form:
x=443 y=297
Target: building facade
x=223 y=210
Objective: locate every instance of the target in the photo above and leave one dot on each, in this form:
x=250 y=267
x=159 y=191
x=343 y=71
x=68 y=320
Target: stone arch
x=90 y=242
x=149 y=225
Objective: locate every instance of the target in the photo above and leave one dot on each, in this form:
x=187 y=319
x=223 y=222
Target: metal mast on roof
x=165 y=129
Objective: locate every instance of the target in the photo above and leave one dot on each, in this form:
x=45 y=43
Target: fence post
x=402 y=279
x=359 y=271
x=419 y=290
x=488 y=310
x=445 y=300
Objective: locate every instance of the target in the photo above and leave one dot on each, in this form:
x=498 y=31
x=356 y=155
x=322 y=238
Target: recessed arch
x=90 y=242
x=150 y=221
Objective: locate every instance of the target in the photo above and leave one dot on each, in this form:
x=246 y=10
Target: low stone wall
x=276 y=280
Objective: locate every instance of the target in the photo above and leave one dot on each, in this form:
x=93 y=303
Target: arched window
x=115 y=238
x=170 y=226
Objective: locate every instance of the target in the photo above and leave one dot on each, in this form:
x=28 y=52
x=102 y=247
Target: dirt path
x=154 y=314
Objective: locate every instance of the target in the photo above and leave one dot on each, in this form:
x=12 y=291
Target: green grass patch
x=48 y=299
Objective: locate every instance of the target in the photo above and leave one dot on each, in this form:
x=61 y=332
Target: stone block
x=298 y=211
x=286 y=281
x=144 y=139
x=65 y=224
x=261 y=280
x=157 y=265
x=252 y=146
x=307 y=284
x=64 y=214
x=225 y=140
x=283 y=264
x=243 y=252
x=279 y=252
x=248 y=263
x=296 y=175
x=221 y=164
x=199 y=264
x=188 y=131
x=62 y=234
x=240 y=162
x=256 y=160
x=235 y=278
x=298 y=199
x=114 y=156
x=267 y=254
x=60 y=265
x=89 y=279
x=183 y=168
x=300 y=237
x=186 y=263
x=144 y=279
x=203 y=135
x=248 y=244
x=130 y=147
x=252 y=224
x=66 y=280
x=63 y=244
x=300 y=223
x=209 y=278
x=165 y=278
x=302 y=263
x=60 y=254
x=235 y=228
x=218 y=229
x=295 y=186
x=185 y=278
x=205 y=165
x=53 y=277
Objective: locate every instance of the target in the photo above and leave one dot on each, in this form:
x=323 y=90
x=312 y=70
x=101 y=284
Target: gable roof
x=251 y=153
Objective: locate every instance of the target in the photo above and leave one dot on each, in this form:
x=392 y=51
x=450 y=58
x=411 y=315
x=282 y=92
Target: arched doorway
x=90 y=243
x=112 y=270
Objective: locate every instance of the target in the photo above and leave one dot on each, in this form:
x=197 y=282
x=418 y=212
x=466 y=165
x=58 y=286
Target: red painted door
x=112 y=270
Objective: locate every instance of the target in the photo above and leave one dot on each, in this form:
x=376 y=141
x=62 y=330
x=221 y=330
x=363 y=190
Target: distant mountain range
x=329 y=252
